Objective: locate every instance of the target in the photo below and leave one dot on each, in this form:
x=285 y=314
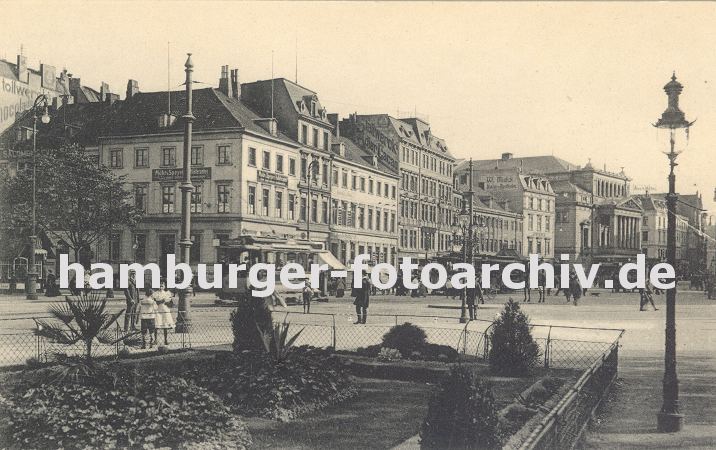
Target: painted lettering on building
x=272 y=178
x=197 y=173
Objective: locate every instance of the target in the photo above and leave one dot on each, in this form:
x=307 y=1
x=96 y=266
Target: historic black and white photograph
x=357 y=225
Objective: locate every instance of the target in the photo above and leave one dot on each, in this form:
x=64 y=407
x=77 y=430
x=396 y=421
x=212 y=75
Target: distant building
x=654 y=226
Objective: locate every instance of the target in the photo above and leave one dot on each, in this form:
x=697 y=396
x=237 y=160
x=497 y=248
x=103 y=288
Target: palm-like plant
x=83 y=319
x=276 y=341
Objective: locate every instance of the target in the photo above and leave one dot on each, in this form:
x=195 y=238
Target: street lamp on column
x=465 y=220
x=41 y=103
x=669 y=418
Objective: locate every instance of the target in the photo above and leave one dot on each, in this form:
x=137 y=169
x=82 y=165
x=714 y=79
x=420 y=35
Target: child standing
x=148 y=315
x=164 y=320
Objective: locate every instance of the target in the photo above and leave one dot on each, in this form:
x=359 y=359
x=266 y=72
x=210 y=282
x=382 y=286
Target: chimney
x=103 y=91
x=132 y=88
x=111 y=98
x=333 y=119
x=22 y=73
x=224 y=85
x=75 y=84
x=506 y=156
x=235 y=85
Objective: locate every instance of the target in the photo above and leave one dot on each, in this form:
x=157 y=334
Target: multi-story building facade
x=691 y=208
x=244 y=170
x=364 y=213
x=530 y=195
x=653 y=231
x=302 y=118
x=425 y=166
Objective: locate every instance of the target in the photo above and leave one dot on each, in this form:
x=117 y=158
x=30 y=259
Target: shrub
x=405 y=338
x=144 y=410
x=251 y=315
x=257 y=385
x=33 y=362
x=389 y=354
x=461 y=414
x=513 y=351
x=124 y=353
x=437 y=352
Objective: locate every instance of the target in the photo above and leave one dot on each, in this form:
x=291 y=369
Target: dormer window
x=313 y=108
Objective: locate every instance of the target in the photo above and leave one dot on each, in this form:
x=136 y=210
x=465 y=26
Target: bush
x=250 y=315
x=257 y=385
x=406 y=338
x=389 y=354
x=461 y=414
x=513 y=351
x=436 y=352
x=143 y=410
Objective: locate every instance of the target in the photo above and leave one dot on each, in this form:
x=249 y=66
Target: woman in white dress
x=164 y=320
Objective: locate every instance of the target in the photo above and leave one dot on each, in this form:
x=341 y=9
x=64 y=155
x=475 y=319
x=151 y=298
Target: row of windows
x=433 y=188
x=538 y=204
x=169 y=198
x=536 y=222
x=429 y=162
x=314 y=137
x=362 y=217
x=539 y=246
x=168 y=156
x=360 y=183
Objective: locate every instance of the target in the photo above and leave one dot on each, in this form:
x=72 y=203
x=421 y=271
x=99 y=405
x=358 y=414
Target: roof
x=9 y=70
x=212 y=109
x=413 y=130
x=533 y=164
x=362 y=157
x=297 y=94
x=561 y=186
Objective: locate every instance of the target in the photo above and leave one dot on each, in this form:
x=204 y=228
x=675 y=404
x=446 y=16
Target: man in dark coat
x=131 y=296
x=362 y=298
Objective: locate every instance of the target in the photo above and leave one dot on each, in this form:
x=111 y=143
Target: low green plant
x=276 y=341
x=389 y=354
x=84 y=319
x=406 y=338
x=513 y=351
x=461 y=414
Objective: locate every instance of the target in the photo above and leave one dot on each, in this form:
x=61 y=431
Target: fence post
x=116 y=339
x=396 y=319
x=39 y=351
x=333 y=316
x=547 y=348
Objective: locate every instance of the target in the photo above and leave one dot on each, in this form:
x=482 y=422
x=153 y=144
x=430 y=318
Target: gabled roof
x=362 y=157
x=212 y=109
x=297 y=94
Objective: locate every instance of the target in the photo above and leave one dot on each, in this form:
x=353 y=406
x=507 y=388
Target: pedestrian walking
x=306 y=296
x=557 y=284
x=340 y=287
x=526 y=289
x=574 y=287
x=541 y=285
x=148 y=316
x=51 y=289
x=87 y=288
x=362 y=299
x=164 y=320
x=645 y=296
x=131 y=298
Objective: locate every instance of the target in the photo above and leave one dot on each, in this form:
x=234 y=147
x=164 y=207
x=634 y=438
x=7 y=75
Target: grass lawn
x=384 y=414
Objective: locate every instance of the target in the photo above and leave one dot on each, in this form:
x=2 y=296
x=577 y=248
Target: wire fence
x=560 y=346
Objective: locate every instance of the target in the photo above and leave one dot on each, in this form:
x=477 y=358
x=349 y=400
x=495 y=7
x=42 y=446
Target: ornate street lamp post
x=183 y=321
x=467 y=221
x=669 y=419
x=40 y=102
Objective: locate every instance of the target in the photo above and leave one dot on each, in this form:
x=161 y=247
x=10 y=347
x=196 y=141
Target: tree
x=513 y=351
x=78 y=200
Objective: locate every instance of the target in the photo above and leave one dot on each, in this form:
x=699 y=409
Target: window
x=167 y=199
x=324 y=174
x=195 y=206
x=370 y=219
x=645 y=236
x=292 y=166
x=370 y=186
x=141 y=157
x=266 y=162
x=304 y=168
x=304 y=134
x=314 y=210
x=197 y=156
x=265 y=198
x=392 y=191
x=195 y=250
x=529 y=245
x=252 y=156
x=279 y=163
x=223 y=192
x=169 y=157
x=115 y=158
x=354 y=183
x=362 y=184
x=325 y=140
x=224 y=154
x=114 y=247
x=379 y=188
x=140 y=247
x=291 y=206
x=278 y=205
x=315 y=137
x=547 y=223
x=140 y=198
x=377 y=220
x=252 y=200
x=324 y=212
x=335 y=177
x=302 y=209
x=361 y=218
x=344 y=179
x=530 y=225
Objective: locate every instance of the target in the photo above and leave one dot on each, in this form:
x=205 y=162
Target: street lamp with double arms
x=41 y=102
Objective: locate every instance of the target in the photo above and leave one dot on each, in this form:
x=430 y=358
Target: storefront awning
x=327 y=257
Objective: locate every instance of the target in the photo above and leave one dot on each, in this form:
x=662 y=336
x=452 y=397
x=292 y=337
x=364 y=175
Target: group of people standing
x=152 y=312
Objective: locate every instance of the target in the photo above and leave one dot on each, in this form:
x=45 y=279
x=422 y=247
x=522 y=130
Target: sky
x=582 y=81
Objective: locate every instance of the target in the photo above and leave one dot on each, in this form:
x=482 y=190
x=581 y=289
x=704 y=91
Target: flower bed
x=257 y=385
x=118 y=407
